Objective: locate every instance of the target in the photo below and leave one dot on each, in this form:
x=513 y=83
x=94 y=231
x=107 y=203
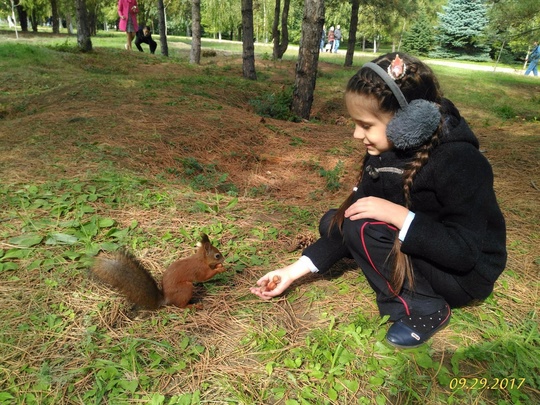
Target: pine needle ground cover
x=113 y=149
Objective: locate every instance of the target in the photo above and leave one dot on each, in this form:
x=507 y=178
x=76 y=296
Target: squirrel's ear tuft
x=204 y=241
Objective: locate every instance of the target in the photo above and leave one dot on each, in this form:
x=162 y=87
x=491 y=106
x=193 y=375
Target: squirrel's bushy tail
x=127 y=274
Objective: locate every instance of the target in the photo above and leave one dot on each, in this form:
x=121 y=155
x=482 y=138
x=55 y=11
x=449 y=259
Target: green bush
x=275 y=105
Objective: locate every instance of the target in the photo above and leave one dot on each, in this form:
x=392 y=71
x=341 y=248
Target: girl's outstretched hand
x=272 y=284
x=275 y=282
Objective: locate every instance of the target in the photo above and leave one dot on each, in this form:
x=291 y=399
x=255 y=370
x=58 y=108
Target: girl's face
x=370 y=123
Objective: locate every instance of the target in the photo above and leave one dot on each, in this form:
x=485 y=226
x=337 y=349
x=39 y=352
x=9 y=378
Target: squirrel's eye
x=217 y=256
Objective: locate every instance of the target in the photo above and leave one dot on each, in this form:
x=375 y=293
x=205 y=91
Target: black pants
x=370 y=242
x=147 y=40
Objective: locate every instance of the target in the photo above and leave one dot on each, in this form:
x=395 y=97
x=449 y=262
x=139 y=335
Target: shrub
x=275 y=105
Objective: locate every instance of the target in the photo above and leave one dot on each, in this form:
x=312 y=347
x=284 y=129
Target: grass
x=497 y=92
x=198 y=158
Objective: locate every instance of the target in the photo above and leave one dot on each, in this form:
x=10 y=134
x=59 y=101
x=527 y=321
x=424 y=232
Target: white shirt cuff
x=406 y=225
x=306 y=261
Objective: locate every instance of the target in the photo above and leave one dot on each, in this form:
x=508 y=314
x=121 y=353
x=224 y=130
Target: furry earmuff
x=413 y=125
x=415 y=122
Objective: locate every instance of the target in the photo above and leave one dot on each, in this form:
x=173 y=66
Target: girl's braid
x=403 y=269
x=420 y=159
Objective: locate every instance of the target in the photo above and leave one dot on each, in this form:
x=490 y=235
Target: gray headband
x=415 y=122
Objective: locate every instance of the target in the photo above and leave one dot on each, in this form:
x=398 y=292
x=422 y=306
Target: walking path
x=472 y=66
x=450 y=63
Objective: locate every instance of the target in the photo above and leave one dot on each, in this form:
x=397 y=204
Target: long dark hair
x=419 y=82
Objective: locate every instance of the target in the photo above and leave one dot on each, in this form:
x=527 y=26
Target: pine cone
x=302 y=241
x=342 y=120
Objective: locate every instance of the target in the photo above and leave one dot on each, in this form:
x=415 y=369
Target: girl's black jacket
x=458 y=226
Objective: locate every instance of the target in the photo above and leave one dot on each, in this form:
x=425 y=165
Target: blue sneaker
x=412 y=331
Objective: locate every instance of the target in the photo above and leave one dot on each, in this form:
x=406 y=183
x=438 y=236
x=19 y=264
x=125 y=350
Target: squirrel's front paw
x=219 y=268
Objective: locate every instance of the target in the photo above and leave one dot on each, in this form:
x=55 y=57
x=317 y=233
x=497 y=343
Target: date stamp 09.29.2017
x=486 y=383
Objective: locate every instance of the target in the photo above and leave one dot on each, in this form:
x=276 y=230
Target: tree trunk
x=14 y=19
x=23 y=18
x=195 y=54
x=55 y=17
x=275 y=27
x=351 y=42
x=280 y=38
x=308 y=58
x=248 y=55
x=92 y=22
x=162 y=29
x=69 y=24
x=83 y=31
x=34 y=21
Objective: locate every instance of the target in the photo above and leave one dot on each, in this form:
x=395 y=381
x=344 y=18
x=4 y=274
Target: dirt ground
x=70 y=127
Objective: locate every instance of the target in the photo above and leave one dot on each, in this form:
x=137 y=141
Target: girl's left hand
x=378 y=209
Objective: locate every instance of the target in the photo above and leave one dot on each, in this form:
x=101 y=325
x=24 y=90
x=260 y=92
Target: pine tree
x=420 y=38
x=461 y=30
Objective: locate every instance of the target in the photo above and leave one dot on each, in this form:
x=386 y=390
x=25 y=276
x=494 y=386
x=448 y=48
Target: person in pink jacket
x=127 y=10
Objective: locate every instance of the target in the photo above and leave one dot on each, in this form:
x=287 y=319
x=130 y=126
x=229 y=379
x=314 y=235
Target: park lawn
x=111 y=149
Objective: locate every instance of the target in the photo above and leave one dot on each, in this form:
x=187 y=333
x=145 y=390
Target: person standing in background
x=337 y=38
x=323 y=37
x=127 y=10
x=330 y=43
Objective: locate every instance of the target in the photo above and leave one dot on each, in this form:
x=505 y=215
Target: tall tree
x=308 y=58
x=221 y=17
x=280 y=37
x=462 y=27
x=33 y=20
x=420 y=38
x=195 y=54
x=380 y=18
x=261 y=12
x=515 y=21
x=23 y=17
x=162 y=29
x=248 y=55
x=14 y=19
x=83 y=29
x=353 y=26
x=55 y=17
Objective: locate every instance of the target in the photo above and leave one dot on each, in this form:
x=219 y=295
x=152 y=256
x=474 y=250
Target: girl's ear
x=413 y=124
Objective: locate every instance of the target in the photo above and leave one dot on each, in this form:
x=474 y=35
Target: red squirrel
x=127 y=274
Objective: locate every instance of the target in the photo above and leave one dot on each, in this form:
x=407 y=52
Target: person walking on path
x=533 y=59
x=337 y=38
x=127 y=10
